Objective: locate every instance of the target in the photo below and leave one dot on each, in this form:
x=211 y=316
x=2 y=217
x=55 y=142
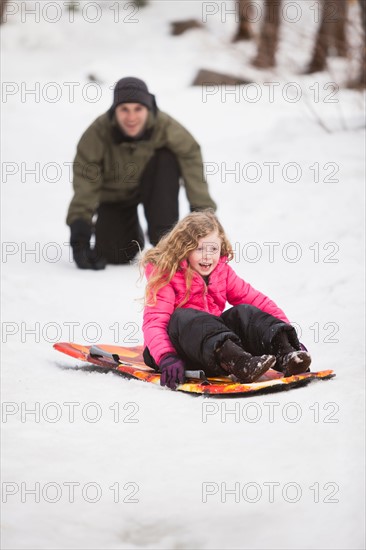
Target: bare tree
x=362 y=77
x=360 y=81
x=244 y=31
x=268 y=39
x=2 y=9
x=363 y=14
x=331 y=36
x=339 y=36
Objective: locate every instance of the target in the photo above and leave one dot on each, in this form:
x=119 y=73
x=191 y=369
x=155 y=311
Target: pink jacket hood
x=224 y=287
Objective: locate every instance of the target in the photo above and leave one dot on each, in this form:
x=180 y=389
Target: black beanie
x=132 y=90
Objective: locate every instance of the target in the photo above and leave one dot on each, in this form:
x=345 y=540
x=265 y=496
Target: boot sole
x=258 y=371
x=298 y=367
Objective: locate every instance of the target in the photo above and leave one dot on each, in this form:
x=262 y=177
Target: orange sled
x=128 y=361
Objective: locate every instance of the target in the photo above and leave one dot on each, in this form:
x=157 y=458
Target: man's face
x=132 y=118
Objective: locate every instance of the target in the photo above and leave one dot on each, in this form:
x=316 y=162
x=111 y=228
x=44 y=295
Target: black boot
x=294 y=362
x=289 y=360
x=233 y=359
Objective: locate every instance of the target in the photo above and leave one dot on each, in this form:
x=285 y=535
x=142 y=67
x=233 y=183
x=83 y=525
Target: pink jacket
x=224 y=286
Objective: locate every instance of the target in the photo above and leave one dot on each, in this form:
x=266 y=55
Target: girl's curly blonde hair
x=174 y=247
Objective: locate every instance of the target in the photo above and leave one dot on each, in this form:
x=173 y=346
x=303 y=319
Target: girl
x=189 y=282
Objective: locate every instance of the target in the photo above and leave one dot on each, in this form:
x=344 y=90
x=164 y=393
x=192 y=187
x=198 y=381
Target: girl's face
x=206 y=256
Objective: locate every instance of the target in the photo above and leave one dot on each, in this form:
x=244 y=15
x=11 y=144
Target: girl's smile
x=206 y=256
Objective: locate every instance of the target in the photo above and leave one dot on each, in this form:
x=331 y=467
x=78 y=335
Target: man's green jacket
x=108 y=165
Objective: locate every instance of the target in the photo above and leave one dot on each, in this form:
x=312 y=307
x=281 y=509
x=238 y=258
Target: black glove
x=172 y=371
x=84 y=257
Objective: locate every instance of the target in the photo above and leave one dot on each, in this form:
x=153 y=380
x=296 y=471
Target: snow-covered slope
x=122 y=464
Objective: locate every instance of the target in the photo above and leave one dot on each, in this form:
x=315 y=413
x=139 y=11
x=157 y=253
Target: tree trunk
x=2 y=8
x=339 y=36
x=244 y=31
x=331 y=34
x=268 y=39
x=362 y=78
x=360 y=81
x=319 y=58
x=363 y=14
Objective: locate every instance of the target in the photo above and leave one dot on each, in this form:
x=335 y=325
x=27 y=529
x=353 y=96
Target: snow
x=294 y=462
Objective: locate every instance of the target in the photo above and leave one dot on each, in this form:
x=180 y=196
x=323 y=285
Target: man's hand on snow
x=84 y=257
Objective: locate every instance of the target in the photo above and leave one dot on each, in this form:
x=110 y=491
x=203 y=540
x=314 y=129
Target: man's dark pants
x=118 y=234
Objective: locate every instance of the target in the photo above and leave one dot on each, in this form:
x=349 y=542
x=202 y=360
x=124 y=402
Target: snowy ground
x=124 y=465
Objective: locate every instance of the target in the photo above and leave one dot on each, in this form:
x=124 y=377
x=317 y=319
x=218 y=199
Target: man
x=132 y=154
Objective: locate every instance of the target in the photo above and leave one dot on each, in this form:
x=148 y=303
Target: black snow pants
x=196 y=335
x=118 y=234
